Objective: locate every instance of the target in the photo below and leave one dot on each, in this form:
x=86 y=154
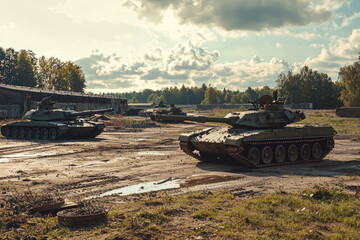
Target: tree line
x=22 y=68
x=307 y=86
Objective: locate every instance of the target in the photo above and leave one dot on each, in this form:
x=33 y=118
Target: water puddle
x=8 y=158
x=20 y=155
x=143 y=188
x=4 y=160
x=154 y=153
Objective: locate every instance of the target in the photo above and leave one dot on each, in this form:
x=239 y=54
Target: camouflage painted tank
x=258 y=137
x=162 y=108
x=47 y=123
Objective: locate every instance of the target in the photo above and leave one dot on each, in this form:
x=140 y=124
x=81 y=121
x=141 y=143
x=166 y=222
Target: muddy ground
x=85 y=169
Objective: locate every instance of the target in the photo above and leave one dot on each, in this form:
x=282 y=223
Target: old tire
x=305 y=152
x=280 y=153
x=293 y=153
x=254 y=156
x=267 y=154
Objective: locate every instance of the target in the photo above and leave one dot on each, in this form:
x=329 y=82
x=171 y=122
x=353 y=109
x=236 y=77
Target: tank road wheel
x=267 y=154
x=14 y=132
x=21 y=133
x=52 y=134
x=36 y=133
x=254 y=156
x=280 y=153
x=316 y=150
x=5 y=131
x=305 y=152
x=28 y=133
x=44 y=134
x=293 y=153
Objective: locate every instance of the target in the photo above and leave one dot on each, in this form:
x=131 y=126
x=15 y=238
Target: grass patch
x=343 y=126
x=318 y=213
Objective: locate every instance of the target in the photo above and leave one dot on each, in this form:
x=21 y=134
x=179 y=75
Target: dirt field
x=86 y=169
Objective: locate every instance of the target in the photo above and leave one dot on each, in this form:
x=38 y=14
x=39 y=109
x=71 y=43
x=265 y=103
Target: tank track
x=30 y=133
x=240 y=156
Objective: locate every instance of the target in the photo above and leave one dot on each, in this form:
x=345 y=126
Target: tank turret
x=258 y=137
x=42 y=114
x=163 y=109
x=48 y=123
x=266 y=113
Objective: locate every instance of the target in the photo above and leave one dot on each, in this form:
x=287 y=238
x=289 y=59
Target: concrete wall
x=10 y=111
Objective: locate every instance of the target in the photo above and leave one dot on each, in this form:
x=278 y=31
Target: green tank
x=258 y=137
x=163 y=109
x=47 y=123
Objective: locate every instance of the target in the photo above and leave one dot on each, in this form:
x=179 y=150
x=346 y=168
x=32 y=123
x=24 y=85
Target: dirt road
x=86 y=169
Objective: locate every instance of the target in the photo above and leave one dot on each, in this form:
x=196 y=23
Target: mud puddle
x=165 y=184
x=154 y=153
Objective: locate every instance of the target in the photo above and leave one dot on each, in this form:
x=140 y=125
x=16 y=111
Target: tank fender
x=235 y=141
x=187 y=136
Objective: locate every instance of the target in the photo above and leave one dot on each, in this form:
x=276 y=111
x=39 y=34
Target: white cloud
x=342 y=51
x=278 y=45
x=317 y=45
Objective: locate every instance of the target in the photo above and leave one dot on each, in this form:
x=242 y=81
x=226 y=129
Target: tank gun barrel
x=231 y=121
x=91 y=112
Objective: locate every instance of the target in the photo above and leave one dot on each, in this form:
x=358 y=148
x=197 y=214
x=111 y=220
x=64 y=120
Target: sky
x=130 y=45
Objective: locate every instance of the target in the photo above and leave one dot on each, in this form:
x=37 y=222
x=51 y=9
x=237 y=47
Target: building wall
x=28 y=98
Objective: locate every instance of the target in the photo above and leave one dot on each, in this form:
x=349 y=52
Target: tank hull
x=260 y=148
x=52 y=130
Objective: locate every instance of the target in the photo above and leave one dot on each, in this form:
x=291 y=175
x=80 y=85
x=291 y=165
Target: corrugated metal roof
x=39 y=90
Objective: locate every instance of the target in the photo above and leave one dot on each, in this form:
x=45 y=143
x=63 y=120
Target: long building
x=15 y=100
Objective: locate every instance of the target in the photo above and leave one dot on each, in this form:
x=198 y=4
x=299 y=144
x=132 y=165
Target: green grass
x=343 y=126
x=317 y=213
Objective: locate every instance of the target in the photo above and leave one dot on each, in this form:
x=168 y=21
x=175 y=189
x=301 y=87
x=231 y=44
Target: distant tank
x=258 y=137
x=348 y=112
x=162 y=108
x=48 y=123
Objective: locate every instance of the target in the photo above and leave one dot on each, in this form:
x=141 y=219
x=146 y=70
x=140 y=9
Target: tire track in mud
x=89 y=182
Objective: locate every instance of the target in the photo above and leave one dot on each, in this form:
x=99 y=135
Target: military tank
x=162 y=108
x=258 y=137
x=348 y=112
x=47 y=123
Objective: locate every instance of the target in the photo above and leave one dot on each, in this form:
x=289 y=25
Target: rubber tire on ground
x=254 y=156
x=293 y=153
x=44 y=134
x=28 y=133
x=21 y=133
x=36 y=133
x=280 y=153
x=305 y=152
x=14 y=132
x=52 y=134
x=267 y=154
x=316 y=150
